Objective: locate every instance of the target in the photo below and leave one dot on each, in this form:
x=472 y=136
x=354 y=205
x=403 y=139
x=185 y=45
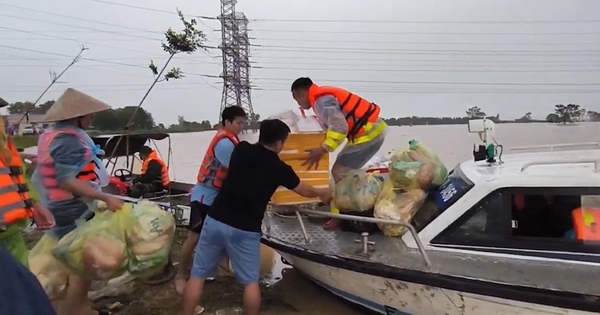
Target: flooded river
x=452 y=143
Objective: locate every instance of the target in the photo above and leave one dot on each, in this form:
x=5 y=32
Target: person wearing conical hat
x=69 y=176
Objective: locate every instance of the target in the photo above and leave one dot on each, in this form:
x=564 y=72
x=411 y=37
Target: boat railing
x=596 y=163
x=552 y=147
x=409 y=226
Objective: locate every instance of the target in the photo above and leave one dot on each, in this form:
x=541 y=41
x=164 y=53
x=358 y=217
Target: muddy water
x=452 y=143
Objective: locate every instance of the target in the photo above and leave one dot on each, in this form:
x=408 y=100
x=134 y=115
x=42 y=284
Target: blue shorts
x=218 y=239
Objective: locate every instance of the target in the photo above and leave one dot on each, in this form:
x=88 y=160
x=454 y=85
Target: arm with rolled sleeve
x=329 y=112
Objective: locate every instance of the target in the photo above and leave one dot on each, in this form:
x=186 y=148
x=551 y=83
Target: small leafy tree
x=475 y=113
x=187 y=41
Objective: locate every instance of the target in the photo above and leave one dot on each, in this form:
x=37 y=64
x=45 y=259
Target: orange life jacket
x=46 y=166
x=357 y=110
x=15 y=203
x=586 y=222
x=212 y=171
x=164 y=172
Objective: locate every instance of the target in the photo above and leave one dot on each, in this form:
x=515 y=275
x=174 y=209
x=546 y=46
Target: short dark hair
x=303 y=83
x=145 y=150
x=273 y=130
x=231 y=113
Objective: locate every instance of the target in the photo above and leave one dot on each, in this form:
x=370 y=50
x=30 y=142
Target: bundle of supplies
x=137 y=238
x=413 y=172
x=358 y=191
x=417 y=168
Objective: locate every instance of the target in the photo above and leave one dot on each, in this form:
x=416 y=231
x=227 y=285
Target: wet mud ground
x=284 y=292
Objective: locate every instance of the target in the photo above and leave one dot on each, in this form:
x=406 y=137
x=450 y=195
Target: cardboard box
x=293 y=154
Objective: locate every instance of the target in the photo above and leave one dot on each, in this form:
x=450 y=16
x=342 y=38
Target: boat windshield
x=440 y=199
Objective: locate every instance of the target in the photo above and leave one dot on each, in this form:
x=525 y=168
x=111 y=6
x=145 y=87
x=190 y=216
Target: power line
x=73 y=39
x=321 y=31
x=75 y=26
x=339 y=40
x=97 y=60
x=368 y=21
x=120 y=88
x=461 y=51
x=78 y=18
x=445 y=82
x=433 y=70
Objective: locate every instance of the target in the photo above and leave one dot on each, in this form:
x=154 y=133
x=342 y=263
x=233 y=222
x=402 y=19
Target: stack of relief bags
x=412 y=173
x=135 y=239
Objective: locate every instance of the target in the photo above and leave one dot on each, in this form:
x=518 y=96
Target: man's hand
x=314 y=156
x=325 y=195
x=112 y=203
x=43 y=218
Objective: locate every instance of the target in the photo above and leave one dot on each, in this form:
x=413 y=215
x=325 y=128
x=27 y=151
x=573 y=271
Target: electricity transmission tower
x=235 y=48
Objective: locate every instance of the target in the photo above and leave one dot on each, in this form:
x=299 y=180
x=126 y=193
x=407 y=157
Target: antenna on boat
x=490 y=149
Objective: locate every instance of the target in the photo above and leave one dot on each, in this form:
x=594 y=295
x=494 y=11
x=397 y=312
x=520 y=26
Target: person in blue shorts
x=233 y=224
x=211 y=174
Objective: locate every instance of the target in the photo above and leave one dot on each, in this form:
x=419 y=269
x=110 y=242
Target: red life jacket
x=211 y=170
x=46 y=165
x=358 y=111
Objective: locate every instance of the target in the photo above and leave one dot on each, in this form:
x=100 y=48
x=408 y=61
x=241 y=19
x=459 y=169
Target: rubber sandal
x=199 y=310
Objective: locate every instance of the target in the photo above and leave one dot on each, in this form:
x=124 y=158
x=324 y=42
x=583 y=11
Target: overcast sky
x=423 y=58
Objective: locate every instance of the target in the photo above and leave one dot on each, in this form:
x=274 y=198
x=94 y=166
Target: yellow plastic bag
x=51 y=274
x=440 y=172
x=393 y=204
x=417 y=168
x=358 y=191
x=149 y=239
x=97 y=250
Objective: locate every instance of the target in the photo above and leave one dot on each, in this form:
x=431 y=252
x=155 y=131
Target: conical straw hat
x=74 y=104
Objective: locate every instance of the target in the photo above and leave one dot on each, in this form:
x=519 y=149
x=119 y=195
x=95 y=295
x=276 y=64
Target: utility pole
x=235 y=47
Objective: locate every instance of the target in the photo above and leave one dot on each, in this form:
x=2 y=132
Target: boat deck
x=286 y=233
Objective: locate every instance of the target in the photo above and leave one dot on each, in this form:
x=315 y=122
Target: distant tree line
x=114 y=120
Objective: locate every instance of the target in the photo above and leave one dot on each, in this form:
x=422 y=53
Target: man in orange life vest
x=69 y=175
x=210 y=177
x=154 y=176
x=346 y=116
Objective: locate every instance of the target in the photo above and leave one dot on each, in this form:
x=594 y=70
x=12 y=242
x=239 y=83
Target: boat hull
x=395 y=297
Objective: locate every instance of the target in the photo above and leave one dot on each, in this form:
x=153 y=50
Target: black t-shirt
x=255 y=172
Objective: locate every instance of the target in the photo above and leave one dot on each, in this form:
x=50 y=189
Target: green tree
x=567 y=113
x=475 y=113
x=115 y=119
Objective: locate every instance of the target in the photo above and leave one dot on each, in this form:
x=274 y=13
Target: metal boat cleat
x=364 y=240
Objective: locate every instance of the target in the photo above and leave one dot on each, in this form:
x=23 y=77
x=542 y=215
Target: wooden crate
x=293 y=154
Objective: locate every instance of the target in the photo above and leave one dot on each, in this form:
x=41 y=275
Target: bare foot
x=180 y=283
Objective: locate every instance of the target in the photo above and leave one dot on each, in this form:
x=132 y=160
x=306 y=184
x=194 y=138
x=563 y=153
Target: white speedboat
x=497 y=238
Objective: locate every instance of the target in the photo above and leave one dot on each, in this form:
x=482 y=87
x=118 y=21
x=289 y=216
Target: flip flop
x=199 y=310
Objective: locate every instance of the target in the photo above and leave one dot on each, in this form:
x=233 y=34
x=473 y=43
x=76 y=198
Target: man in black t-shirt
x=233 y=224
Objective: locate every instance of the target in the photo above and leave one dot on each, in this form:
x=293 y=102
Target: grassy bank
x=25 y=141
